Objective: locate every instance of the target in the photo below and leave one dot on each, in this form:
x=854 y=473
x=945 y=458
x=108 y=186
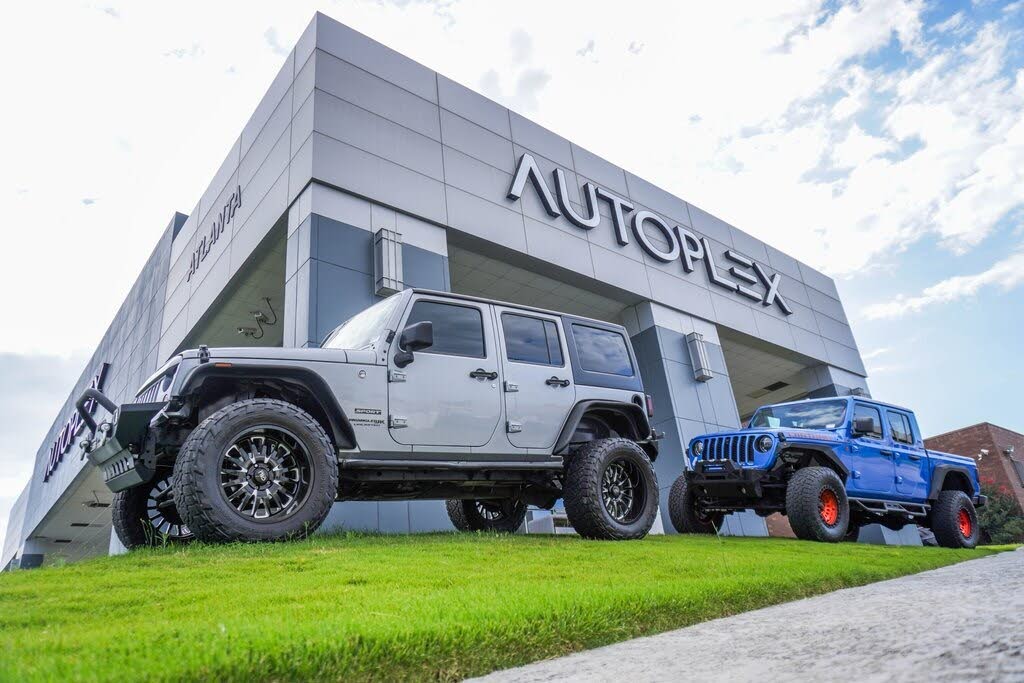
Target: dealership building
x=361 y=173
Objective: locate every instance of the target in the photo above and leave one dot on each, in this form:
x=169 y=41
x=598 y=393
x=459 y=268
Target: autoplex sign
x=752 y=280
x=73 y=427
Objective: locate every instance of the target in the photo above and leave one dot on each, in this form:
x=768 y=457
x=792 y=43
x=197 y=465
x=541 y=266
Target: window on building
x=602 y=351
x=899 y=425
x=531 y=340
x=861 y=411
x=458 y=330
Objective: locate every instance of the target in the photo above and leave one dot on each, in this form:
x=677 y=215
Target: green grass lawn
x=399 y=607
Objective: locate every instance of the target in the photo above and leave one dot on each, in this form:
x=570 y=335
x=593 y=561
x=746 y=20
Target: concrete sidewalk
x=964 y=622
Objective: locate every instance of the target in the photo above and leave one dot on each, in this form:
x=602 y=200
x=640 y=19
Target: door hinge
x=513 y=427
x=396 y=376
x=511 y=387
x=855 y=474
x=395 y=422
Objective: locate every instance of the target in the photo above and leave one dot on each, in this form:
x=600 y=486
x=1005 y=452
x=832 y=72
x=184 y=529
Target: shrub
x=1001 y=519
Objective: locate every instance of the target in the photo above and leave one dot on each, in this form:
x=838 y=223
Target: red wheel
x=828 y=507
x=963 y=520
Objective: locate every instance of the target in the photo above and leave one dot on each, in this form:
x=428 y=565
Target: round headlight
x=764 y=443
x=698 y=447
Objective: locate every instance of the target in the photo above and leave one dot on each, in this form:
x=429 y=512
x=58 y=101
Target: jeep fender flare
x=632 y=412
x=337 y=424
x=940 y=475
x=825 y=456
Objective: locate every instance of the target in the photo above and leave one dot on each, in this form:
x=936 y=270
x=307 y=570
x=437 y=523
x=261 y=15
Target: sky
x=879 y=141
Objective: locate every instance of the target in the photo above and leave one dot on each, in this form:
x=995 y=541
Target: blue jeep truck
x=831 y=465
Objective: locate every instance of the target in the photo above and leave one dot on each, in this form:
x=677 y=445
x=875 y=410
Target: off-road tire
x=467 y=516
x=132 y=523
x=204 y=506
x=806 y=506
x=946 y=520
x=683 y=512
x=584 y=500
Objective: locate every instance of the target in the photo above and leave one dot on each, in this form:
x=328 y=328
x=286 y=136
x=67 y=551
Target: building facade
x=998 y=451
x=362 y=172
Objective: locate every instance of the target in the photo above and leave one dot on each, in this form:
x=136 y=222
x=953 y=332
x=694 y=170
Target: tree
x=1001 y=519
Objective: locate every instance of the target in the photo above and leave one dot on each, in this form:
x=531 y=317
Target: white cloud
x=1003 y=275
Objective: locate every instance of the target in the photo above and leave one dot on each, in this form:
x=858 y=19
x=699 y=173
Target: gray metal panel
x=555 y=246
x=484 y=219
x=363 y=89
x=712 y=227
x=835 y=330
x=474 y=176
x=368 y=175
x=819 y=281
x=476 y=141
x=748 y=245
x=369 y=55
x=340 y=294
x=682 y=294
x=604 y=173
x=823 y=303
x=844 y=357
x=540 y=140
x=260 y=148
x=473 y=106
x=342 y=245
x=617 y=270
x=657 y=199
x=280 y=90
x=375 y=134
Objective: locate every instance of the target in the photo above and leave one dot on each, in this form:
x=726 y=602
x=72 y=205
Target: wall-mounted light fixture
x=699 y=357
x=387 y=262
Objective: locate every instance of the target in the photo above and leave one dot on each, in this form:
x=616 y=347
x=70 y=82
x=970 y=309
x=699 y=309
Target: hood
x=276 y=353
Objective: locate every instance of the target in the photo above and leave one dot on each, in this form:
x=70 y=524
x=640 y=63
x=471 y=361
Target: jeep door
x=539 y=390
x=871 y=463
x=449 y=395
x=909 y=456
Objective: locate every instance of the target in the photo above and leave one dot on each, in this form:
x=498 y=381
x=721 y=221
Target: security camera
x=1008 y=451
x=982 y=453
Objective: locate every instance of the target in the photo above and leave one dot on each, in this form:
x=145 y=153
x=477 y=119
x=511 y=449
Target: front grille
x=150 y=394
x=739 y=448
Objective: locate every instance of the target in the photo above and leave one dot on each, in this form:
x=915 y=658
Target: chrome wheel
x=265 y=474
x=489 y=511
x=163 y=515
x=622 y=491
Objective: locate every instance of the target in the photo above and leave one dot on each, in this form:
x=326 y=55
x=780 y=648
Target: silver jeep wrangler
x=425 y=395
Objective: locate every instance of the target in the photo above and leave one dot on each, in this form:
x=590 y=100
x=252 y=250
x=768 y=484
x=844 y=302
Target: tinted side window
x=458 y=330
x=860 y=411
x=602 y=351
x=531 y=340
x=900 y=427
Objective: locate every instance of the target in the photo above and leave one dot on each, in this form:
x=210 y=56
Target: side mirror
x=864 y=425
x=415 y=337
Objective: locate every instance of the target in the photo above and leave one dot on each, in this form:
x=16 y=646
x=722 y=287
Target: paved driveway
x=964 y=622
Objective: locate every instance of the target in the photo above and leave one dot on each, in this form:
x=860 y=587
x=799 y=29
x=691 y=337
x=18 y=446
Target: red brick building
x=1003 y=464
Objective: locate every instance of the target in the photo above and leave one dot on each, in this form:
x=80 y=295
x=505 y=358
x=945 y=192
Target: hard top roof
x=863 y=399
x=509 y=304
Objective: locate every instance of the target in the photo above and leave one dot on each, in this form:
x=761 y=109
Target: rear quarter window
x=602 y=351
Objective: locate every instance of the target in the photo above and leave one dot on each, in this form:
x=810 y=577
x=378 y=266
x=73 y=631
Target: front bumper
x=117 y=445
x=723 y=479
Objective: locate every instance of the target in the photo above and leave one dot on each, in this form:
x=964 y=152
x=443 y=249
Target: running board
x=382 y=464
x=887 y=507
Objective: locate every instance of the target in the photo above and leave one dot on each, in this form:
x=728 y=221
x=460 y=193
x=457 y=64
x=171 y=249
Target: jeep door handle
x=913 y=457
x=480 y=373
x=887 y=454
x=555 y=382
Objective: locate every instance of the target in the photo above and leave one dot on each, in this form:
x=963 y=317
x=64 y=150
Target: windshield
x=363 y=329
x=809 y=415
